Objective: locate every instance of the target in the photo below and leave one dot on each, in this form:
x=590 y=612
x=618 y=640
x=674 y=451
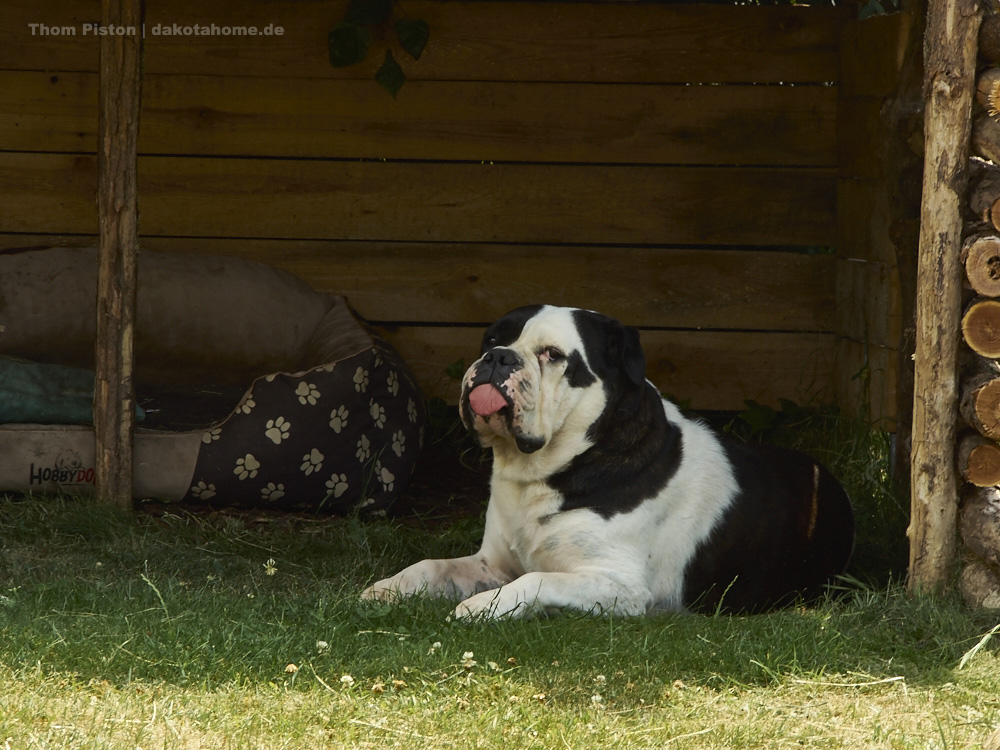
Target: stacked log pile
x=978 y=451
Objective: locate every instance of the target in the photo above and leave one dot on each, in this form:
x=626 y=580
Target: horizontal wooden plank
x=209 y=115
x=480 y=41
x=446 y=283
x=446 y=202
x=706 y=370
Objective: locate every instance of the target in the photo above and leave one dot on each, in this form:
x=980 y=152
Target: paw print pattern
x=203 y=491
x=307 y=393
x=398 y=443
x=411 y=410
x=378 y=357
x=377 y=414
x=272 y=492
x=337 y=484
x=361 y=380
x=312 y=461
x=338 y=419
x=247 y=405
x=385 y=476
x=276 y=430
x=393 y=383
x=246 y=467
x=364 y=449
x=209 y=436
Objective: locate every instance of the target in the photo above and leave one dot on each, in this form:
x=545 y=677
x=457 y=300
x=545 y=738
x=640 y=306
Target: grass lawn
x=243 y=630
x=183 y=631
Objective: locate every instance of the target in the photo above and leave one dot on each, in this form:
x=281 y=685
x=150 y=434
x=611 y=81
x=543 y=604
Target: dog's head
x=547 y=375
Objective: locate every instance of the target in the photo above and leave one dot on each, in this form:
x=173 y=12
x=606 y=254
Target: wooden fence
x=654 y=162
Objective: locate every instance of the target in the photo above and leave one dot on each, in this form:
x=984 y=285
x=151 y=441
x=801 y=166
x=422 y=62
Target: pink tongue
x=485 y=400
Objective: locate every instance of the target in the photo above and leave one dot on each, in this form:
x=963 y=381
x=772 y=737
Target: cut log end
x=982 y=265
x=981 y=327
x=979 y=461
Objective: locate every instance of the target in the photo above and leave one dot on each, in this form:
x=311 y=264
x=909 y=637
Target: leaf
x=348 y=44
x=413 y=36
x=390 y=76
x=368 y=12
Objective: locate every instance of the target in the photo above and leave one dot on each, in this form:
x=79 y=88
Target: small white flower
x=277 y=430
x=270 y=567
x=434 y=648
x=322 y=646
x=246 y=467
x=312 y=461
x=347 y=681
x=468 y=662
x=338 y=419
x=307 y=393
x=596 y=699
x=291 y=669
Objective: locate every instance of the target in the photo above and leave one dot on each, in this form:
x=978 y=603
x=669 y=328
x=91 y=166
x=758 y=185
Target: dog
x=606 y=498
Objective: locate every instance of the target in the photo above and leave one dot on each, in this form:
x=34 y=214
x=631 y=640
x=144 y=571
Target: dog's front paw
x=490 y=605
x=388 y=589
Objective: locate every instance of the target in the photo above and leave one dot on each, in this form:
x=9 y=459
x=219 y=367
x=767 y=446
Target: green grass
x=173 y=631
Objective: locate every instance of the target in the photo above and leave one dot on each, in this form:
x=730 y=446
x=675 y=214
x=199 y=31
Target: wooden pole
x=949 y=83
x=120 y=94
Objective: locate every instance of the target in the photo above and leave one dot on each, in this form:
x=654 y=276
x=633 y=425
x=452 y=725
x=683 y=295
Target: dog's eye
x=552 y=354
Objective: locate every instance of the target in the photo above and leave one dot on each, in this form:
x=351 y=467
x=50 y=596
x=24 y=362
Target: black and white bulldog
x=606 y=498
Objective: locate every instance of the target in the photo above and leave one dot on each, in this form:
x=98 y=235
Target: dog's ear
x=629 y=353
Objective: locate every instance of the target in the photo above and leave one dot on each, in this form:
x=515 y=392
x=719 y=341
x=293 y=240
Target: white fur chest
x=525 y=517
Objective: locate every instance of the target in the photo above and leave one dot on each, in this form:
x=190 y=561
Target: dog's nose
x=501 y=357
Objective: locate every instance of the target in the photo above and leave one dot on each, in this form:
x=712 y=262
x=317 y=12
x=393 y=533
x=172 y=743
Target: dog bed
x=255 y=390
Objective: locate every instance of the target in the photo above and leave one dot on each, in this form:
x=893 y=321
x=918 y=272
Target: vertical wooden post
x=949 y=73
x=118 y=219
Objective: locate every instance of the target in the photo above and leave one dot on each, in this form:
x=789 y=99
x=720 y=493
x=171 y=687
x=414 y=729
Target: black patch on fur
x=636 y=449
x=787 y=533
x=508 y=329
x=578 y=375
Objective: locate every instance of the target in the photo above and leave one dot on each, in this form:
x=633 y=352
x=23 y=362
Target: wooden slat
x=210 y=115
x=708 y=370
x=868 y=304
x=446 y=283
x=469 y=41
x=865 y=379
x=432 y=202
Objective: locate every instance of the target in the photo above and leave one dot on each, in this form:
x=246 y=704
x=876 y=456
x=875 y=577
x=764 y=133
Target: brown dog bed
x=254 y=389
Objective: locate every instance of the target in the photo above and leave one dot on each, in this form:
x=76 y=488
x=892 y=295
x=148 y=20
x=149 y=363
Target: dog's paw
x=387 y=589
x=496 y=604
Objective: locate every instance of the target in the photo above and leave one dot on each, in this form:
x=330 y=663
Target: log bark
x=981 y=258
x=981 y=327
x=984 y=193
x=118 y=217
x=980 y=585
x=979 y=404
x=986 y=137
x=949 y=80
x=979 y=460
x=988 y=90
x=989 y=40
x=979 y=524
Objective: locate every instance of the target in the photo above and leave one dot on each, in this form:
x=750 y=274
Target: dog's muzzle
x=487 y=392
